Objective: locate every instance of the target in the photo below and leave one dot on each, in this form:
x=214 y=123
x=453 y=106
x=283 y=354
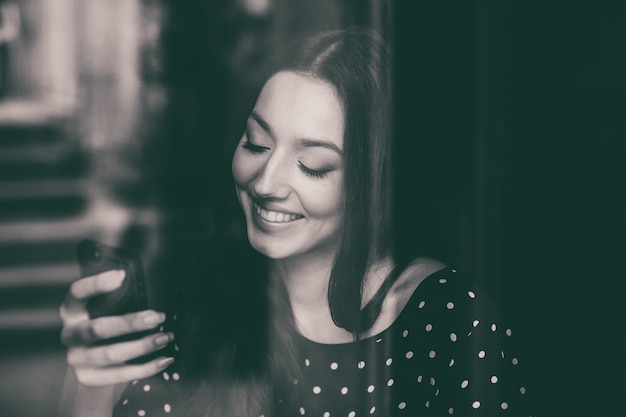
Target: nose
x=272 y=180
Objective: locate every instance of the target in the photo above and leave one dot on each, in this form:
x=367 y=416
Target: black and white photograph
x=312 y=208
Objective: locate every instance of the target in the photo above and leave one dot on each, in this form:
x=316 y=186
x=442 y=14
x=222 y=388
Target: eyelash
x=311 y=172
x=256 y=149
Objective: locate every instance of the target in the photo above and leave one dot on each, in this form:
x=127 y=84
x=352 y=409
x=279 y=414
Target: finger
x=97 y=284
x=117 y=353
x=97 y=377
x=85 y=288
x=89 y=331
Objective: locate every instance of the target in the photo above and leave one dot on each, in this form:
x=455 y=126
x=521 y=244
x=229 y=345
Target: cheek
x=325 y=202
x=243 y=169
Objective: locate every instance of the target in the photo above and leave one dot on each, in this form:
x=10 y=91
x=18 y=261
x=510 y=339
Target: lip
x=272 y=219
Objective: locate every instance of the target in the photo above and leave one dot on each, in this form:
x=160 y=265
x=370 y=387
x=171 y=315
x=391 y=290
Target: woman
x=313 y=314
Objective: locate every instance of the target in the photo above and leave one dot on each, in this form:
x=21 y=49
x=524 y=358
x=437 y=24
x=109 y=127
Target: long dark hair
x=357 y=63
x=254 y=353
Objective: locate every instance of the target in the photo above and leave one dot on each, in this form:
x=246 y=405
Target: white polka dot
x=421 y=304
x=504 y=405
x=502 y=354
x=146 y=388
x=508 y=332
x=379 y=340
x=175 y=376
x=443 y=281
x=522 y=390
x=432 y=381
x=126 y=401
x=437 y=392
x=176 y=347
x=307 y=362
x=316 y=390
x=514 y=361
x=453 y=337
x=475 y=323
x=135 y=382
x=405 y=333
x=390 y=382
x=465 y=383
x=334 y=366
x=175 y=317
x=469 y=334
x=450 y=305
x=372 y=410
x=494 y=379
x=166 y=376
x=450 y=410
x=493 y=327
x=471 y=294
x=451 y=363
x=429 y=327
x=141 y=413
x=432 y=354
x=402 y=405
x=361 y=365
x=453 y=270
x=302 y=411
x=326 y=414
x=388 y=361
x=476 y=404
x=371 y=389
x=344 y=390
x=167 y=408
x=351 y=414
x=409 y=354
x=419 y=379
x=481 y=354
x=427 y=404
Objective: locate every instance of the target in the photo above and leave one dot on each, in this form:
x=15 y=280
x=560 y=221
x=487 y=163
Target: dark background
x=511 y=122
x=510 y=131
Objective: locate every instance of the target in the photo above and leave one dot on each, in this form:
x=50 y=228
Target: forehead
x=298 y=106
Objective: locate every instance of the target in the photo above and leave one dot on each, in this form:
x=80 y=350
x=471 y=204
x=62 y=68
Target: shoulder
x=413 y=275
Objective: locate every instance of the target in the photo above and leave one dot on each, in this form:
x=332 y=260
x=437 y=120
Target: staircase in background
x=49 y=201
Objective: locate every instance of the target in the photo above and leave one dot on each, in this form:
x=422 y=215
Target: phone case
x=94 y=258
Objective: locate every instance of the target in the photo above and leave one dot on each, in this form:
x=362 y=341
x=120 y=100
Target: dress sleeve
x=478 y=366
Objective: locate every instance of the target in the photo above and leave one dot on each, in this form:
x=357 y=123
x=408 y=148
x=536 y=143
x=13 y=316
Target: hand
x=95 y=362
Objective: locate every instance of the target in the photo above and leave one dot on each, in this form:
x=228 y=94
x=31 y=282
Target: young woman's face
x=288 y=168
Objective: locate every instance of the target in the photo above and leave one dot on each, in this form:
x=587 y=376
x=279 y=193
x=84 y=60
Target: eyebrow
x=320 y=143
x=305 y=142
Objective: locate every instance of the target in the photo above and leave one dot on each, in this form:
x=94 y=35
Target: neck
x=306 y=280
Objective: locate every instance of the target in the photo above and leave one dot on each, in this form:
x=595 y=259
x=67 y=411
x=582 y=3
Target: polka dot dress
x=447 y=353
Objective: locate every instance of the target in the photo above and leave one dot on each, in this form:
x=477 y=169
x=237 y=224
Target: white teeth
x=274 y=216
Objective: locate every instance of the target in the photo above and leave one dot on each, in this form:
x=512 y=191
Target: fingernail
x=153 y=318
x=162 y=363
x=114 y=279
x=162 y=339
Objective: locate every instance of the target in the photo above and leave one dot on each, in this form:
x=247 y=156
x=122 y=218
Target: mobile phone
x=95 y=257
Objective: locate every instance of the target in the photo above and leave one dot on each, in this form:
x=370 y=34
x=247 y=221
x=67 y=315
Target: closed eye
x=254 y=148
x=313 y=172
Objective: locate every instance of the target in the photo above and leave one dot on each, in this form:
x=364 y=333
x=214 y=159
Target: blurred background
x=510 y=146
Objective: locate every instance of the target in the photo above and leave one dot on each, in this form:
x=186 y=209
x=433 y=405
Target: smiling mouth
x=275 y=216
